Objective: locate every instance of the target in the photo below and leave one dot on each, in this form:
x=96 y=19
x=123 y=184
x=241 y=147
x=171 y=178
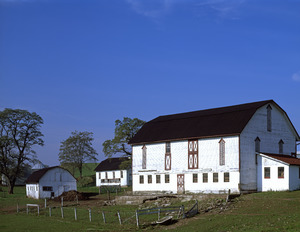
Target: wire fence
x=100 y=216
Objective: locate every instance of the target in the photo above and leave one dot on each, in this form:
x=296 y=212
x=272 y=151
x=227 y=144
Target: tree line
x=20 y=132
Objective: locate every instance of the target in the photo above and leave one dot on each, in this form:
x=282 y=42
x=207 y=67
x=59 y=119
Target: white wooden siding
x=125 y=181
x=208 y=158
x=257 y=127
x=58 y=178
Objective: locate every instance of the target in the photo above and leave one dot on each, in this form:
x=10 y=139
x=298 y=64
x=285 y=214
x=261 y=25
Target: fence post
x=62 y=212
x=38 y=210
x=119 y=216
x=27 y=209
x=75 y=212
x=158 y=216
x=137 y=218
x=45 y=203
x=49 y=211
x=77 y=199
x=62 y=201
x=103 y=215
x=90 y=214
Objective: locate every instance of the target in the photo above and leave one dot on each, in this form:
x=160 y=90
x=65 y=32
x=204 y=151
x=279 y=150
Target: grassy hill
x=270 y=211
x=87 y=170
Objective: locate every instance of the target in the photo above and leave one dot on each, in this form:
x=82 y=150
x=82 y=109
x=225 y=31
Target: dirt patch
x=73 y=196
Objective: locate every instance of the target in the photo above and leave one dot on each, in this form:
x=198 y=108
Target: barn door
x=180 y=183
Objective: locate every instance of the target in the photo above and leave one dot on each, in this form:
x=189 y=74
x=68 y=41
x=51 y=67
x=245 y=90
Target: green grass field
x=87 y=170
x=270 y=211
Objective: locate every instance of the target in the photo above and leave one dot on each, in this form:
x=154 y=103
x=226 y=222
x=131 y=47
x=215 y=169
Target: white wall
x=125 y=181
x=257 y=127
x=32 y=191
x=208 y=162
x=294 y=175
x=273 y=183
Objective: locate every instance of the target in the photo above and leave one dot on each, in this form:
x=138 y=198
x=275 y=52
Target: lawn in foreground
x=270 y=211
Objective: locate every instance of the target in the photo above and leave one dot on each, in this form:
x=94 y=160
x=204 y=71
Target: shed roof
x=230 y=120
x=37 y=175
x=110 y=164
x=284 y=158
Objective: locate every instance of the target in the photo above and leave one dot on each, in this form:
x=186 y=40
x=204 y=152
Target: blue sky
x=83 y=64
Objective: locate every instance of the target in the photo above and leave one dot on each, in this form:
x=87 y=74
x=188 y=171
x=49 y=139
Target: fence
x=80 y=214
x=140 y=217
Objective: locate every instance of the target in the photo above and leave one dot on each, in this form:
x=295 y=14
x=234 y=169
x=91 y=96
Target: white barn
x=217 y=150
x=50 y=182
x=108 y=173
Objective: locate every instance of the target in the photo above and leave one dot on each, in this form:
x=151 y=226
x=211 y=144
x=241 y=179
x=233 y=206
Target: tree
x=19 y=132
x=77 y=149
x=124 y=131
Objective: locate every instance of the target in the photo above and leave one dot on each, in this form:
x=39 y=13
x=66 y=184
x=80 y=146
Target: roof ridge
x=209 y=109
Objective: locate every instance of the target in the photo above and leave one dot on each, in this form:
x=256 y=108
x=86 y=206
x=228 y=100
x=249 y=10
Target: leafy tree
x=124 y=131
x=77 y=149
x=19 y=132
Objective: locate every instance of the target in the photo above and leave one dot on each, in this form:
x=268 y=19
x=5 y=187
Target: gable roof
x=110 y=164
x=37 y=175
x=284 y=158
x=230 y=120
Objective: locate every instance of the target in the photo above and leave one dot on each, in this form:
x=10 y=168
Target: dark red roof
x=285 y=158
x=110 y=164
x=222 y=121
x=37 y=175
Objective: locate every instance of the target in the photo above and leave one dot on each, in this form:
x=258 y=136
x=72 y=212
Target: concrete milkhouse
x=50 y=182
x=108 y=173
x=241 y=148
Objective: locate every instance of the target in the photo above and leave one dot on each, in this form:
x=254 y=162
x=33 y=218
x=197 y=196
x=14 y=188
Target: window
x=257 y=144
x=281 y=172
x=141 y=179
x=193 y=154
x=106 y=175
x=222 y=152
x=157 y=179
x=47 y=188
x=168 y=156
x=280 y=144
x=168 y=147
x=121 y=174
x=195 y=178
x=167 y=178
x=205 y=178
x=226 y=176
x=215 y=177
x=144 y=158
x=149 y=179
x=269 y=118
x=267 y=173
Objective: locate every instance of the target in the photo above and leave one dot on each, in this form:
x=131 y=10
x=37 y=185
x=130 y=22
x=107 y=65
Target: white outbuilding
x=109 y=173
x=50 y=182
x=217 y=150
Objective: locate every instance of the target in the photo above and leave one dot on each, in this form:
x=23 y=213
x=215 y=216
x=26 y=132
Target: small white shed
x=108 y=173
x=277 y=172
x=50 y=182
